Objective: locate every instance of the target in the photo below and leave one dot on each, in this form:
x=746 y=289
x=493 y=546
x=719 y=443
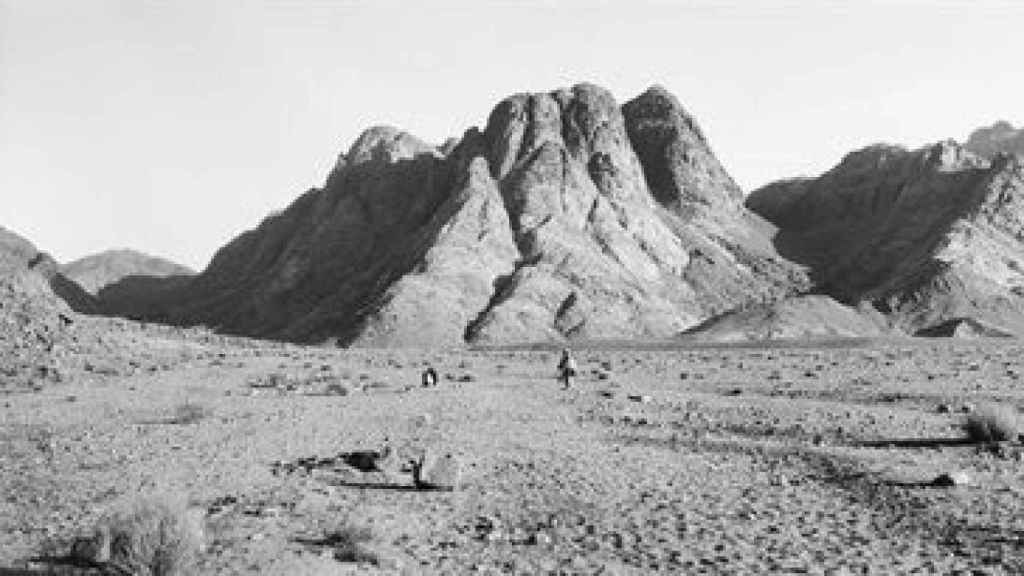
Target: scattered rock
x=438 y=470
x=950 y=479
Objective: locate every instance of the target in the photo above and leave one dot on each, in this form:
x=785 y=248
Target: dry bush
x=188 y=413
x=992 y=423
x=349 y=544
x=153 y=536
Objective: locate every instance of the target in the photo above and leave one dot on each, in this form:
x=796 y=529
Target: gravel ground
x=811 y=459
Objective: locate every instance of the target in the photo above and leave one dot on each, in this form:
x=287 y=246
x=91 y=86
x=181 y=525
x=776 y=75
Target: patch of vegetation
x=152 y=536
x=349 y=544
x=992 y=423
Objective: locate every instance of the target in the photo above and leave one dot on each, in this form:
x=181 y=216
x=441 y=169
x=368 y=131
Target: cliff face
x=929 y=236
x=566 y=217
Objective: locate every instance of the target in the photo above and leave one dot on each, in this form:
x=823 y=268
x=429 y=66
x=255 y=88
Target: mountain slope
x=929 y=236
x=97 y=271
x=33 y=319
x=566 y=217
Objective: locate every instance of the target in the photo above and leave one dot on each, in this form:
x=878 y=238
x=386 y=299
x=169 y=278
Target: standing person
x=429 y=377
x=566 y=368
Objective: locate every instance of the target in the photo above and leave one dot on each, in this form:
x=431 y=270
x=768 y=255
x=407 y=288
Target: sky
x=170 y=127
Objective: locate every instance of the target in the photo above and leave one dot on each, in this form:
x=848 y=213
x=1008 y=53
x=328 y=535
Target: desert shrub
x=992 y=423
x=152 y=536
x=189 y=413
x=349 y=544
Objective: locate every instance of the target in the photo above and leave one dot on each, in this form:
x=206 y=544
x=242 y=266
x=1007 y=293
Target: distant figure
x=429 y=377
x=566 y=368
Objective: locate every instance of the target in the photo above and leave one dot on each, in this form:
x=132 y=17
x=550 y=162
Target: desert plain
x=785 y=458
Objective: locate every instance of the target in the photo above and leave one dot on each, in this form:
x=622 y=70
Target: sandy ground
x=744 y=460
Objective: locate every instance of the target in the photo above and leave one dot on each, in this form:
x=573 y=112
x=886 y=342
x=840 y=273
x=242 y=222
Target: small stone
x=95 y=548
x=540 y=539
x=943 y=409
x=949 y=479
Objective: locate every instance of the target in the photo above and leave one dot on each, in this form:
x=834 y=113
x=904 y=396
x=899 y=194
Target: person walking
x=566 y=369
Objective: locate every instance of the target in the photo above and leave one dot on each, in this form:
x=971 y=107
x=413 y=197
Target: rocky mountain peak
x=386 y=144
x=949 y=156
x=543 y=226
x=680 y=168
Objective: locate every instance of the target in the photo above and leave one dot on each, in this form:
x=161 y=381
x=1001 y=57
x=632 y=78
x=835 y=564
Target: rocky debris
x=798 y=317
x=36 y=326
x=567 y=217
x=927 y=236
x=313 y=384
x=1000 y=138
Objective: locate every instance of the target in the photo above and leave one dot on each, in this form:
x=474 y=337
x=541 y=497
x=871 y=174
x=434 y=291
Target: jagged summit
x=385 y=144
x=679 y=166
x=566 y=217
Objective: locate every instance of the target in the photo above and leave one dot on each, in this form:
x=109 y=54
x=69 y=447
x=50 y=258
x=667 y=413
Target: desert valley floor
x=774 y=459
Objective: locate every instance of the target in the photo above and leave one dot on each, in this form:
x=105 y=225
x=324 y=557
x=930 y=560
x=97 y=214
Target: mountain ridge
x=544 y=225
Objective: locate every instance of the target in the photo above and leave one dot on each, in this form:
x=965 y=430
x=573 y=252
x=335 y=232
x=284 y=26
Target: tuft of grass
x=150 y=536
x=992 y=423
x=349 y=544
x=188 y=413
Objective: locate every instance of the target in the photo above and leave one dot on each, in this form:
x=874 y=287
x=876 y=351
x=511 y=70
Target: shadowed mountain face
x=566 y=217
x=929 y=236
x=1001 y=137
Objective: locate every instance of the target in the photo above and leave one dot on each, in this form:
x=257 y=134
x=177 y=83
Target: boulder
x=438 y=470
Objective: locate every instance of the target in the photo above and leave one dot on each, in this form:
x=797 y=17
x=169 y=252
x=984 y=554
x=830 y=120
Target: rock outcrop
x=567 y=217
x=1000 y=138
x=34 y=321
x=928 y=236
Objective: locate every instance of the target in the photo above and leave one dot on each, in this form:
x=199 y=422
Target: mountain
x=34 y=320
x=95 y=272
x=1001 y=137
x=929 y=236
x=795 y=318
x=566 y=217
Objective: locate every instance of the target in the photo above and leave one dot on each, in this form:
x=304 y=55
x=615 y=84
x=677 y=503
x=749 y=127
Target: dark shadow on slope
x=56 y=566
x=140 y=297
x=380 y=486
x=916 y=443
x=74 y=295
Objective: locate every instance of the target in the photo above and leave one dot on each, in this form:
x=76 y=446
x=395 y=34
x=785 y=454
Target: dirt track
x=809 y=459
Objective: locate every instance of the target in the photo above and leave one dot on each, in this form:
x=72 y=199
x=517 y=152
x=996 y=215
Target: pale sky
x=171 y=127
